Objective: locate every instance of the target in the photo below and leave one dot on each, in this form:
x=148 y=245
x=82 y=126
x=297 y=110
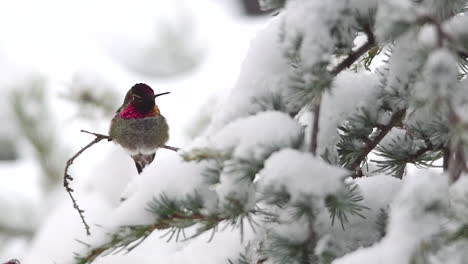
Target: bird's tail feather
x=142 y=160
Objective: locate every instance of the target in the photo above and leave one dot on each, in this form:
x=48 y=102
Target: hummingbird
x=138 y=125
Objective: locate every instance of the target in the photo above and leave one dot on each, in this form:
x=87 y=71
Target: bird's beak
x=156 y=95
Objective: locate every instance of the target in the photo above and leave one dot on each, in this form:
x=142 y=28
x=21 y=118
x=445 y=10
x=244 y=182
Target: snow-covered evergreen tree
x=327 y=150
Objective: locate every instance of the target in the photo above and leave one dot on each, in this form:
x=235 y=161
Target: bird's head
x=141 y=97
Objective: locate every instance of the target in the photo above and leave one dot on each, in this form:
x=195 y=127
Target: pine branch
x=417 y=155
x=403 y=150
x=67 y=178
x=353 y=56
x=345 y=202
x=174 y=216
x=370 y=144
x=122 y=242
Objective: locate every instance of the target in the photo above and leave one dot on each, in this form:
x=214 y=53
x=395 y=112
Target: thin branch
x=170 y=148
x=413 y=158
x=315 y=128
x=312 y=238
x=97 y=135
x=446 y=157
x=93 y=255
x=370 y=144
x=67 y=178
x=353 y=56
x=347 y=62
x=456 y=160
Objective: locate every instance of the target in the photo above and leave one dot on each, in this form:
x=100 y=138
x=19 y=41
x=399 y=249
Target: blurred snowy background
x=66 y=65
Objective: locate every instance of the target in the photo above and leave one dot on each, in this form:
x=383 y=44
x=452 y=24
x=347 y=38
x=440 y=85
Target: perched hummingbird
x=138 y=125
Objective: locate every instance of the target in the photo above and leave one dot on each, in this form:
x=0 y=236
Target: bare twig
x=97 y=135
x=170 y=148
x=67 y=178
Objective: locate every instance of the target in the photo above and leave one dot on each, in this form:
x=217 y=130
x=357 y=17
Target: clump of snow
x=252 y=137
x=440 y=79
x=415 y=215
x=396 y=17
x=378 y=193
x=428 y=36
x=159 y=180
x=393 y=17
x=225 y=245
x=295 y=231
x=314 y=29
x=300 y=173
x=457 y=29
x=350 y=92
x=459 y=197
x=459 y=100
x=403 y=67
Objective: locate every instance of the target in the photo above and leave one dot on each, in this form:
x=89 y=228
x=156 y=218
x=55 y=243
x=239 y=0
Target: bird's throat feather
x=132 y=112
